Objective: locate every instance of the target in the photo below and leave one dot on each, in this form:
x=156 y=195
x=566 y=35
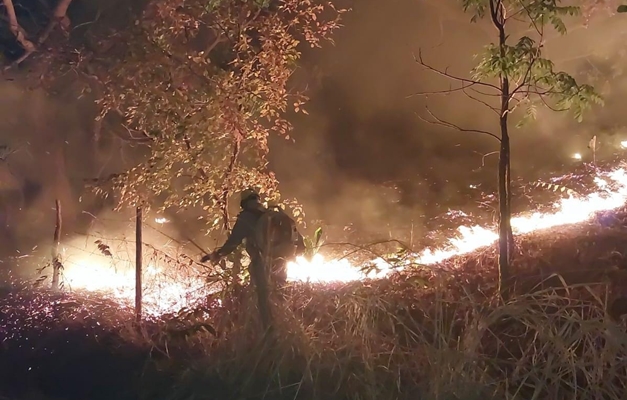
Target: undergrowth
x=420 y=335
x=394 y=342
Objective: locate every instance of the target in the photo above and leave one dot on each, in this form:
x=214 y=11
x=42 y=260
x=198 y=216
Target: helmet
x=246 y=195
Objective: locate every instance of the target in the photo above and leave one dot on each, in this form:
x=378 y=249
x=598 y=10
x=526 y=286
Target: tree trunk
x=504 y=210
x=226 y=187
x=224 y=204
x=510 y=234
x=16 y=28
x=56 y=262
x=59 y=16
x=506 y=237
x=138 y=264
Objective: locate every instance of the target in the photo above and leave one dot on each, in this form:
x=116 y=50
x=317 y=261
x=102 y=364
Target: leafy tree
x=205 y=83
x=512 y=74
x=200 y=84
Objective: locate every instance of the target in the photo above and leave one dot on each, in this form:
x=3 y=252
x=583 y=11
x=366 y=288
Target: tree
x=203 y=84
x=194 y=86
x=513 y=75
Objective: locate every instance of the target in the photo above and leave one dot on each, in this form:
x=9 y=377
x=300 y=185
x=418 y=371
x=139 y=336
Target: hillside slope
x=437 y=331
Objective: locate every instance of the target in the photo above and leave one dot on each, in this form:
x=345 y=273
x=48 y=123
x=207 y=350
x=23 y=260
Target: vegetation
x=202 y=84
x=205 y=84
x=436 y=335
x=512 y=75
x=196 y=87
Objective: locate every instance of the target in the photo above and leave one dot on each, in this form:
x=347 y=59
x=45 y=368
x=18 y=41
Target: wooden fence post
x=138 y=264
x=56 y=262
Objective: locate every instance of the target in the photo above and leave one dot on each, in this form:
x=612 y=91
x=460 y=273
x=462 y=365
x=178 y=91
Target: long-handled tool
x=195 y=244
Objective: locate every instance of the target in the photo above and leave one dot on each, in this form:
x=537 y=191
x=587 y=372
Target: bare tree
x=512 y=75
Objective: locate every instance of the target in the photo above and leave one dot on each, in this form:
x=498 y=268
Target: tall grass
x=398 y=340
x=421 y=334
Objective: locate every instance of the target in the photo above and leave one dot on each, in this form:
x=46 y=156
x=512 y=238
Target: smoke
x=45 y=156
x=364 y=132
x=363 y=161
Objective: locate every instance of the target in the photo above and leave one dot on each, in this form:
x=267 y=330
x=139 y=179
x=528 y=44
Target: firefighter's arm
x=300 y=244
x=235 y=238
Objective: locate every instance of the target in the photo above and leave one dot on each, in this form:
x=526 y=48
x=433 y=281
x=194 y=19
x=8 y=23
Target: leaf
x=622 y=8
x=420 y=281
x=530 y=115
x=192 y=110
x=317 y=236
x=104 y=248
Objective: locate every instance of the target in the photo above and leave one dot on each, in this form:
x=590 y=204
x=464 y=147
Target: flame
x=566 y=212
x=163 y=290
x=178 y=290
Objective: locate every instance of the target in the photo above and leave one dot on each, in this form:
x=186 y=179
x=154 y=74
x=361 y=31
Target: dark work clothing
x=259 y=279
x=244 y=229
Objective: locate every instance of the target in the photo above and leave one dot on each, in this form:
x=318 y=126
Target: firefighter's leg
x=279 y=273
x=259 y=278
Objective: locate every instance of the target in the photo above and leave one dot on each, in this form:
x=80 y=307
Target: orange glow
x=566 y=212
x=171 y=292
x=165 y=289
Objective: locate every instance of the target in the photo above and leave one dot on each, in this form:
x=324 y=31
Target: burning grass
x=429 y=333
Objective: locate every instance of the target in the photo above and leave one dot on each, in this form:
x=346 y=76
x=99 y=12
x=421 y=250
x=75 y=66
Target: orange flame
x=176 y=292
x=566 y=212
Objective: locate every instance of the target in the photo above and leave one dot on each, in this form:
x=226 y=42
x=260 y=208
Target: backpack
x=276 y=235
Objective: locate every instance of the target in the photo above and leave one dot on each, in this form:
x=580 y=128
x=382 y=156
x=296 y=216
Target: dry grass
x=420 y=335
x=441 y=335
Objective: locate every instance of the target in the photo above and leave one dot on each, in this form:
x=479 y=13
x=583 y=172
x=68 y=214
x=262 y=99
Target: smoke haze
x=364 y=132
x=362 y=159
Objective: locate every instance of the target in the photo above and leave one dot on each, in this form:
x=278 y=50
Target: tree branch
x=483 y=156
x=485 y=103
x=539 y=30
x=550 y=107
x=518 y=103
x=538 y=92
x=226 y=185
x=219 y=39
x=59 y=16
x=450 y=76
x=484 y=93
x=16 y=28
x=525 y=78
x=131 y=138
x=450 y=125
x=440 y=92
